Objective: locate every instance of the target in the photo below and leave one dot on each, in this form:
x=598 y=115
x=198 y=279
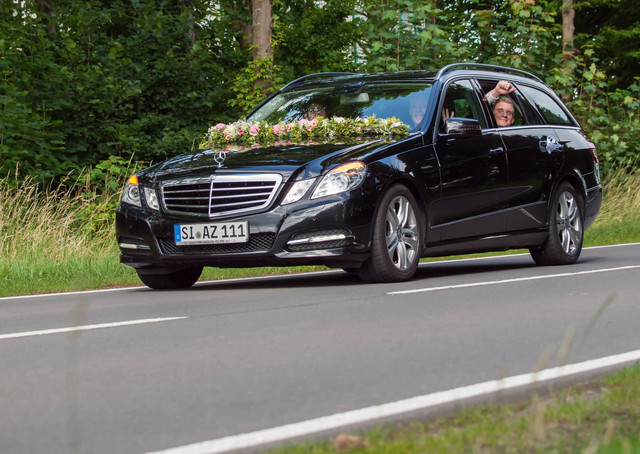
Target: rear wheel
x=566 y=229
x=178 y=279
x=397 y=239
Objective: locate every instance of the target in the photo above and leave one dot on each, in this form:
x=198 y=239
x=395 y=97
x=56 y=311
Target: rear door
x=535 y=155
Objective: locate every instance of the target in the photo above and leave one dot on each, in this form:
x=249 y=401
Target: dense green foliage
x=613 y=29
x=83 y=81
x=118 y=78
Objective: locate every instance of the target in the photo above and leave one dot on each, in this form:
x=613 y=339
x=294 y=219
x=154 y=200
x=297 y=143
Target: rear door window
x=518 y=118
x=552 y=112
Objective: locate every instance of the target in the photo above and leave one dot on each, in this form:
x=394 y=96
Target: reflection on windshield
x=350 y=101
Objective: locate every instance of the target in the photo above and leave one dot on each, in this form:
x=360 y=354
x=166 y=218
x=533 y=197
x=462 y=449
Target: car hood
x=283 y=159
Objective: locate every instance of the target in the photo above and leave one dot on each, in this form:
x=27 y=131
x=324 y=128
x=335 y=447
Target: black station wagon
x=422 y=170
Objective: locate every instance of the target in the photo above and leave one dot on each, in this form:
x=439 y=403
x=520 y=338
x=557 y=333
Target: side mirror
x=462 y=126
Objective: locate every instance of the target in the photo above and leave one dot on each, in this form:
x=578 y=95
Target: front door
x=474 y=171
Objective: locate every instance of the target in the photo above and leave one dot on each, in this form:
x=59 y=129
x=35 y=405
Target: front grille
x=219 y=195
x=259 y=242
x=135 y=252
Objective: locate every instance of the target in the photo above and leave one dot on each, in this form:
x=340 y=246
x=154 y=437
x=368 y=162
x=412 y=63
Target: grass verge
x=601 y=417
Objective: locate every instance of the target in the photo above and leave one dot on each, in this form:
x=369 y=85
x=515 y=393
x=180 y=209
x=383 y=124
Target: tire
x=184 y=278
x=566 y=229
x=397 y=238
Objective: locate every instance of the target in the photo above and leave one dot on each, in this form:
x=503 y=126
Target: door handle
x=550 y=144
x=496 y=150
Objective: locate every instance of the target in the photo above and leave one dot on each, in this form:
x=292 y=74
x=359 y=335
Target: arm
x=502 y=88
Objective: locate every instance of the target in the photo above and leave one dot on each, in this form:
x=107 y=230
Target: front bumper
x=334 y=232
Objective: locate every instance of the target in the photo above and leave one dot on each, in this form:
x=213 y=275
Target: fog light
x=128 y=244
x=325 y=239
x=318 y=239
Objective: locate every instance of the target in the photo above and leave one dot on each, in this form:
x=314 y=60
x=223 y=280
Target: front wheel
x=566 y=229
x=397 y=239
x=178 y=279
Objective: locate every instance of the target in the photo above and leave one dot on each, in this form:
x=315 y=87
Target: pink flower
x=227 y=137
x=314 y=122
x=288 y=126
x=255 y=145
x=220 y=126
x=240 y=132
x=254 y=130
x=276 y=129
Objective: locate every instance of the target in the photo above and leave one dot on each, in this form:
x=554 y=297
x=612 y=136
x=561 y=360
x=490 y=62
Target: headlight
x=131 y=192
x=151 y=197
x=341 y=179
x=298 y=189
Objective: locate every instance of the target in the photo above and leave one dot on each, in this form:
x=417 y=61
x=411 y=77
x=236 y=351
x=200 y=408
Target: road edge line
x=369 y=414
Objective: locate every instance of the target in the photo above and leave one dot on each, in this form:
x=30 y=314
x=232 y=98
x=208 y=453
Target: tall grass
x=57 y=238
x=622 y=196
x=63 y=238
x=46 y=225
x=619 y=217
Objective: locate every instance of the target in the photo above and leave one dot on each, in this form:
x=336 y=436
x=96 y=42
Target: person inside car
x=503 y=111
x=503 y=108
x=315 y=110
x=417 y=109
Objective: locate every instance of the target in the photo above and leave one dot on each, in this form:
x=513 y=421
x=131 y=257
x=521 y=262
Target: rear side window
x=552 y=112
x=518 y=115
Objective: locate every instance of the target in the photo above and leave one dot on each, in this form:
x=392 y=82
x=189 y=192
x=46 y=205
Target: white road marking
x=508 y=281
x=81 y=292
x=369 y=414
x=72 y=329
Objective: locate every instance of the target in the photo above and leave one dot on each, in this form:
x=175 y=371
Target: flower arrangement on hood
x=253 y=134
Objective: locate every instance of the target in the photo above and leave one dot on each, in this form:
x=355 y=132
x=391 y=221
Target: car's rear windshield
x=355 y=100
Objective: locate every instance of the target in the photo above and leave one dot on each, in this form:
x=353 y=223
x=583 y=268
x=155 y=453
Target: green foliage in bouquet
x=243 y=133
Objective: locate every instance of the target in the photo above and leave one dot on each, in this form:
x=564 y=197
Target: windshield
x=404 y=101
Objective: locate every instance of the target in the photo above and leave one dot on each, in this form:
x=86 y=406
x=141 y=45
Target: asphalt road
x=135 y=370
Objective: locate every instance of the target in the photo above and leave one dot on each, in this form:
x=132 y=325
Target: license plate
x=215 y=233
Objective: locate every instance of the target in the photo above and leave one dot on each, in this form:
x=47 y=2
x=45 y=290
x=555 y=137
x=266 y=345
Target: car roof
x=332 y=78
x=446 y=72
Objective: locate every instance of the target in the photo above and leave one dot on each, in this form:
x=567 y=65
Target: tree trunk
x=239 y=14
x=568 y=28
x=262 y=28
x=44 y=11
x=261 y=38
x=191 y=32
